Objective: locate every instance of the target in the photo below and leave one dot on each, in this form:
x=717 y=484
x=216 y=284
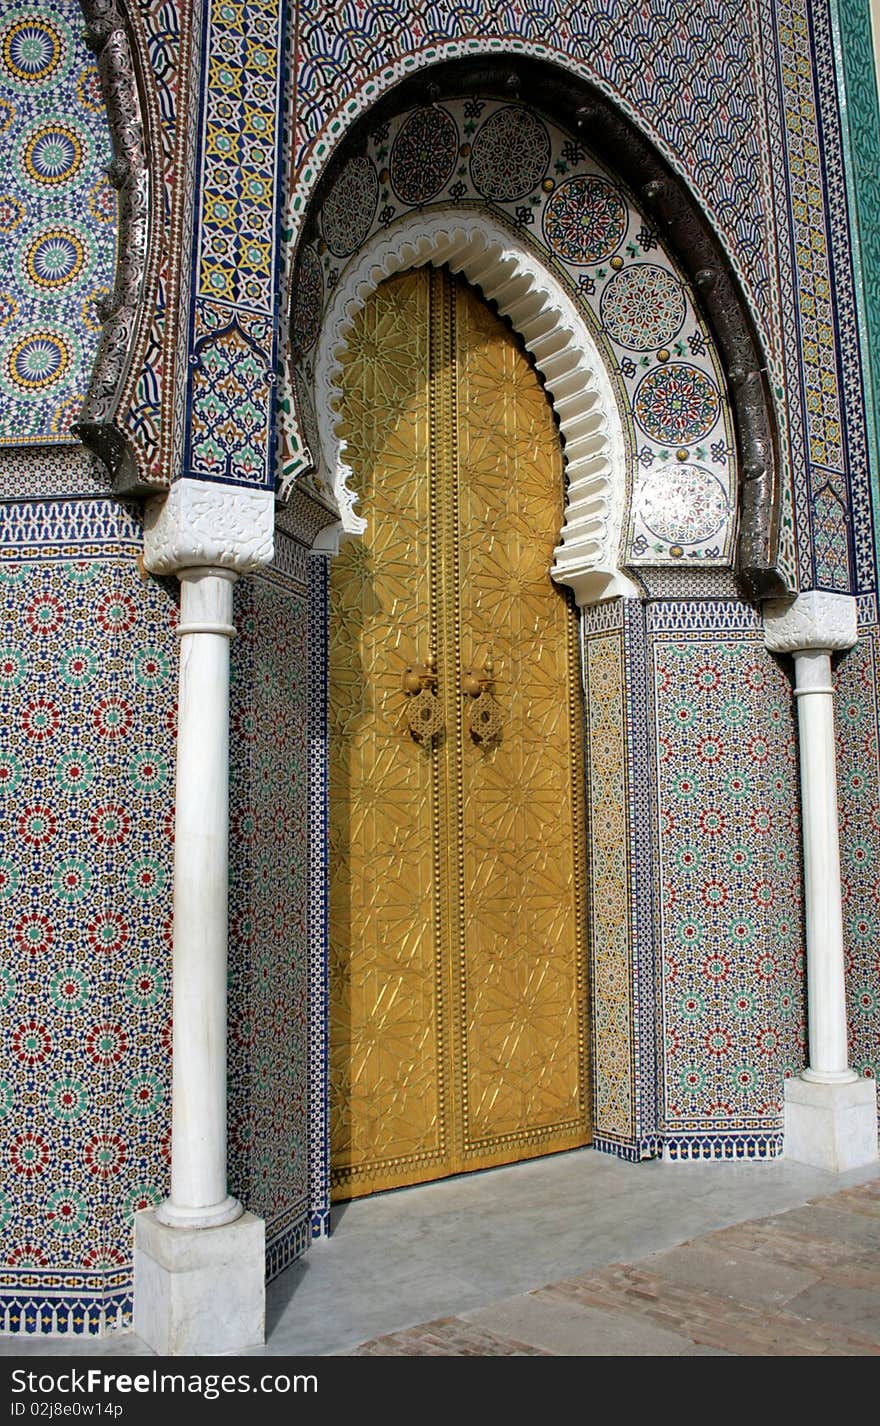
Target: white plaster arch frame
x=554 y=332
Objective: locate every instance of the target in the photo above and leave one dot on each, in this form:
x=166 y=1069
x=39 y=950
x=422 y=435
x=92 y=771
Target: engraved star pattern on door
x=387 y=1022
x=521 y=954
x=457 y=967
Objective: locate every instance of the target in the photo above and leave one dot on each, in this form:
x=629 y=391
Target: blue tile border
x=641 y=810
x=289 y=1244
x=743 y=1145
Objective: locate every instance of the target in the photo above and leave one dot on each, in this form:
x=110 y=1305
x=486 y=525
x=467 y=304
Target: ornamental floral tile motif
x=268 y=956
x=729 y=858
x=57 y=219
x=859 y=801
x=547 y=189
x=87 y=698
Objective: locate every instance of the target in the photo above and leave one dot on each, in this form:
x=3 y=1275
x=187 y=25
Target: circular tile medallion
x=643 y=307
x=54 y=258
x=53 y=153
x=676 y=404
x=585 y=220
x=37 y=360
x=683 y=503
x=510 y=154
x=350 y=206
x=34 y=50
x=424 y=155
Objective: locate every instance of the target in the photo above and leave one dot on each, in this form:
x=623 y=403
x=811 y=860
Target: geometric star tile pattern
x=268 y=953
x=540 y=183
x=87 y=697
x=729 y=866
x=57 y=219
x=859 y=799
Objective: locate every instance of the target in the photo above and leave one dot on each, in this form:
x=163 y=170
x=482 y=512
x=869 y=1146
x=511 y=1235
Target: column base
x=214 y=1217
x=831 y=1126
x=199 y=1291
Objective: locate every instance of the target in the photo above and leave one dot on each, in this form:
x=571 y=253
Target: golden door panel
x=521 y=956
x=457 y=991
x=386 y=1015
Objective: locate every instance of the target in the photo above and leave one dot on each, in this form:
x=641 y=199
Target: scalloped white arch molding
x=587 y=556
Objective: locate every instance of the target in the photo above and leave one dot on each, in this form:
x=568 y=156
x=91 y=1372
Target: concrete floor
x=461 y=1245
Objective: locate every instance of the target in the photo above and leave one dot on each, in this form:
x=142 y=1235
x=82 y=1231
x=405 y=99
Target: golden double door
x=457 y=958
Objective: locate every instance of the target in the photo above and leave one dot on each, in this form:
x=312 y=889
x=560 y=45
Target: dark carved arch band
x=126 y=313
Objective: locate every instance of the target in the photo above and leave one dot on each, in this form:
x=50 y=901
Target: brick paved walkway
x=802 y=1283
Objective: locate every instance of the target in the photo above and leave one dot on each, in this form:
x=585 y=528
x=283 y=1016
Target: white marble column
x=198 y=1136
x=199 y=1257
x=826 y=991
x=830 y=1112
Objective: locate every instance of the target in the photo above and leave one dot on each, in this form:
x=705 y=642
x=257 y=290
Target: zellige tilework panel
x=856 y=681
x=268 y=953
x=730 y=866
x=57 y=219
x=87 y=694
x=614 y=1089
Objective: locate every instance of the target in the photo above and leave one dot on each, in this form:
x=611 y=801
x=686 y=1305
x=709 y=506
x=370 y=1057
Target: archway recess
x=564 y=352
x=598 y=157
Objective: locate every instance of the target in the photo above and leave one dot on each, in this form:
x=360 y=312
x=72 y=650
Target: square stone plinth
x=831 y=1126
x=200 y=1291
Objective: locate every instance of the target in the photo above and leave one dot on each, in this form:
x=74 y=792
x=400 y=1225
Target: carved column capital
x=813 y=620
x=198 y=524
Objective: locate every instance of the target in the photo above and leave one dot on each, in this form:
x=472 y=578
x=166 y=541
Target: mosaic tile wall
x=688 y=70
x=764 y=158
x=318 y=928
x=613 y=1078
x=857 y=675
x=88 y=679
x=268 y=950
x=643 y=870
x=230 y=431
x=542 y=184
x=820 y=394
x=87 y=698
x=729 y=868
x=856 y=679
x=852 y=22
x=718 y=881
x=57 y=219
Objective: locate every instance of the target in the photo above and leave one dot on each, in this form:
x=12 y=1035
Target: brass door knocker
x=484 y=715
x=423 y=712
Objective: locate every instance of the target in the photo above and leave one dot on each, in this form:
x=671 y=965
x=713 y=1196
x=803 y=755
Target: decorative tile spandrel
x=57 y=220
